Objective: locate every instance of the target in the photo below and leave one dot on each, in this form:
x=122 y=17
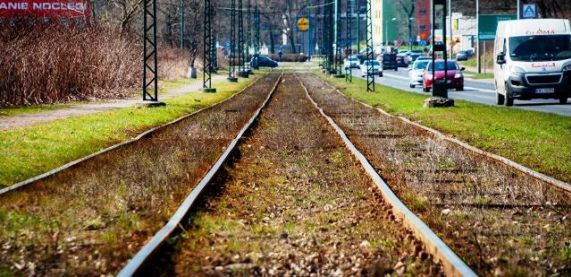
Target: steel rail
x=519 y=167
x=453 y=265
x=115 y=146
x=151 y=247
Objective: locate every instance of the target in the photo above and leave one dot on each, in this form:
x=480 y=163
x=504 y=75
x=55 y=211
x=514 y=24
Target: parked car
x=416 y=72
x=351 y=62
x=402 y=59
x=532 y=60
x=412 y=56
x=462 y=56
x=389 y=61
x=377 y=68
x=454 y=78
x=263 y=61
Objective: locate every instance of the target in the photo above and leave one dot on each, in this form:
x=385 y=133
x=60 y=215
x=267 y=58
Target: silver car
x=416 y=72
x=377 y=68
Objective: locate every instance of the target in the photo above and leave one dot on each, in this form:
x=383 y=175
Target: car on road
x=376 y=70
x=454 y=76
x=412 y=56
x=532 y=59
x=462 y=56
x=402 y=59
x=262 y=61
x=416 y=72
x=389 y=61
x=351 y=62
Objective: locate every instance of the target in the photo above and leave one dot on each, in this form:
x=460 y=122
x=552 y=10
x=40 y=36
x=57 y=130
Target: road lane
x=482 y=92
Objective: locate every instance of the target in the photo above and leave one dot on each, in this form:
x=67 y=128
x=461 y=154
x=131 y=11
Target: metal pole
x=518 y=9
x=181 y=5
x=208 y=39
x=451 y=27
x=478 y=54
x=349 y=50
x=370 y=53
x=150 y=70
x=232 y=61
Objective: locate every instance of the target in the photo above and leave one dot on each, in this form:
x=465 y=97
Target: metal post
x=181 y=6
x=249 y=32
x=358 y=28
x=150 y=71
x=439 y=88
x=232 y=54
x=337 y=34
x=451 y=27
x=348 y=51
x=478 y=54
x=207 y=38
x=370 y=52
x=518 y=9
x=241 y=58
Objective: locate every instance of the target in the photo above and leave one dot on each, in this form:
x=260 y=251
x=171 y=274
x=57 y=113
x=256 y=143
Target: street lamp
x=410 y=19
x=387 y=31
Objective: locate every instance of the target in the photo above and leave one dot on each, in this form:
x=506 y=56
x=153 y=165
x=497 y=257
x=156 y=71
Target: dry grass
x=51 y=64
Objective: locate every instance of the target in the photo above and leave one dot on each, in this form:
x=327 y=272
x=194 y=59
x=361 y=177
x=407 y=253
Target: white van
x=532 y=59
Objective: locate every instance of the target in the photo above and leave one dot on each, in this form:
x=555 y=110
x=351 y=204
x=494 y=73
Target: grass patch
x=479 y=76
x=535 y=139
x=30 y=151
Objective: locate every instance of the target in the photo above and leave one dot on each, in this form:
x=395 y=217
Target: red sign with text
x=423 y=18
x=44 y=8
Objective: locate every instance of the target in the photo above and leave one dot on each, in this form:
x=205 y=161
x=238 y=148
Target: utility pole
x=181 y=6
x=337 y=26
x=232 y=65
x=370 y=52
x=208 y=40
x=478 y=54
x=451 y=27
x=249 y=31
x=348 y=51
x=241 y=68
x=358 y=28
x=150 y=72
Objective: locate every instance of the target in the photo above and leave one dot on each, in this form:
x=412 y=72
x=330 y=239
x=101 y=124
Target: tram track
x=496 y=217
x=291 y=155
x=91 y=217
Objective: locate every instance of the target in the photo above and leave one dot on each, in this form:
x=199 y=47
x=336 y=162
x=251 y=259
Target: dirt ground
x=499 y=221
x=90 y=219
x=294 y=203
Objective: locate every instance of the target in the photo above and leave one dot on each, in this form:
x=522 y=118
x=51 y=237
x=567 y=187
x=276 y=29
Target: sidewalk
x=25 y=120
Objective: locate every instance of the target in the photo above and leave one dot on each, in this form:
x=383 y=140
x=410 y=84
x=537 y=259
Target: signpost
x=529 y=11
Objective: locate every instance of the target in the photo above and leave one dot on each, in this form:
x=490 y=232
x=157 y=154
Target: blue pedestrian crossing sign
x=529 y=11
x=422 y=43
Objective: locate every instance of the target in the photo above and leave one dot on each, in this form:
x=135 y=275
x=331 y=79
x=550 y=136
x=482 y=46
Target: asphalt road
x=475 y=91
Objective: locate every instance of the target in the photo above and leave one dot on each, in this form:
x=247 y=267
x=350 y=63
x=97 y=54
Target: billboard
x=488 y=24
x=44 y=8
x=423 y=19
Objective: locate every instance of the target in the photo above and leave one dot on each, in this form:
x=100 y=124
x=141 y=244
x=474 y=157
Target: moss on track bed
x=498 y=220
x=90 y=219
x=294 y=202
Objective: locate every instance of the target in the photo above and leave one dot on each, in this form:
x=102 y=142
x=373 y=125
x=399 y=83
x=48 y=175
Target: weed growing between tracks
x=28 y=152
x=88 y=220
x=540 y=141
x=498 y=220
x=294 y=203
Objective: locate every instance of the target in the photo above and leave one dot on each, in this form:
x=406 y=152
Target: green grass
x=538 y=140
x=479 y=76
x=27 y=152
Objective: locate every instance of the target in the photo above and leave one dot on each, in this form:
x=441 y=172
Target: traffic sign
x=488 y=24
x=303 y=24
x=422 y=43
x=529 y=11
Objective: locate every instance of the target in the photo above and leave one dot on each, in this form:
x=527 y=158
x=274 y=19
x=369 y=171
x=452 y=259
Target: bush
x=289 y=57
x=51 y=64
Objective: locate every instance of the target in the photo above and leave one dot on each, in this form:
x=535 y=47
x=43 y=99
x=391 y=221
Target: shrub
x=50 y=64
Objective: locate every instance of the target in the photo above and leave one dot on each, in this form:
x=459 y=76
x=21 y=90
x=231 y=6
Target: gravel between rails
x=499 y=221
x=293 y=202
x=90 y=219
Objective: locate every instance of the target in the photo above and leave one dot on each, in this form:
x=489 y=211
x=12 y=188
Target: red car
x=455 y=78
